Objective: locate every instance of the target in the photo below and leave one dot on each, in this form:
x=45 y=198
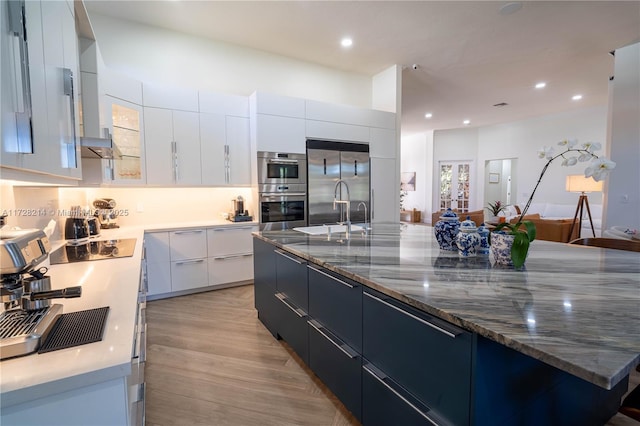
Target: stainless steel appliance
x=329 y=162
x=105 y=213
x=281 y=168
x=26 y=292
x=282 y=206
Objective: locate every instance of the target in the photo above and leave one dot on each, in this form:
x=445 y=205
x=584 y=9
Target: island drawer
x=292 y=278
x=291 y=324
x=336 y=302
x=428 y=357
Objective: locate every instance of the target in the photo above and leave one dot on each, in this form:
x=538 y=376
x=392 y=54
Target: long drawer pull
x=298 y=311
x=316 y=325
x=233 y=256
x=281 y=253
x=189 y=262
x=331 y=276
x=194 y=231
x=406 y=401
x=235 y=228
x=435 y=327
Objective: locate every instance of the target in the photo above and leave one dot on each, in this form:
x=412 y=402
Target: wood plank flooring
x=210 y=361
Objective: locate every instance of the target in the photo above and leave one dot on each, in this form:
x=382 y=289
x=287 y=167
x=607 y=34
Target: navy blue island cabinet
x=393 y=364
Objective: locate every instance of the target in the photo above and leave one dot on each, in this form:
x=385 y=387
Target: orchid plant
x=524 y=231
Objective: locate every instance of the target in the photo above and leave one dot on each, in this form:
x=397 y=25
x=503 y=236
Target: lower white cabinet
x=187 y=260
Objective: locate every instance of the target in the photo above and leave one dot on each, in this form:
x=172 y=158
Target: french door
x=455 y=185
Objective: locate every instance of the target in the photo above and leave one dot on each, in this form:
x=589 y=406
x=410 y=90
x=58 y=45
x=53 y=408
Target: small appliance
x=239 y=214
x=26 y=292
x=106 y=213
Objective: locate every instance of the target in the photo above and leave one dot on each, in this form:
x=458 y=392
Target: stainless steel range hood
x=99 y=147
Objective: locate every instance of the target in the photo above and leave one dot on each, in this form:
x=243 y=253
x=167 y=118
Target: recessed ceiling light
x=541 y=85
x=466 y=122
x=576 y=97
x=428 y=115
x=346 y=42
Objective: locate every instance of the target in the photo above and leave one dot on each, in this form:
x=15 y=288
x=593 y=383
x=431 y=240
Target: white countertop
x=112 y=283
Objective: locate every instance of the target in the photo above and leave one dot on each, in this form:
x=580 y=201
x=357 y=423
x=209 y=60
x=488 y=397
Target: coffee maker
x=239 y=214
x=26 y=293
x=105 y=213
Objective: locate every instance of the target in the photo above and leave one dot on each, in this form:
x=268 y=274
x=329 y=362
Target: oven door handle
x=283 y=161
x=283 y=194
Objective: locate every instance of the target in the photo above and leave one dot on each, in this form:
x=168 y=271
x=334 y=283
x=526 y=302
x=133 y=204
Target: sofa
x=553 y=221
x=477 y=216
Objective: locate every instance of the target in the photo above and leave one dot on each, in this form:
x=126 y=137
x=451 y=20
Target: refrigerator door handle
x=355 y=166
x=373 y=204
x=324 y=161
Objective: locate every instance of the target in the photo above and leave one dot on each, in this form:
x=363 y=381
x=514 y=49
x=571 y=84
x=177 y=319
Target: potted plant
x=495 y=209
x=510 y=241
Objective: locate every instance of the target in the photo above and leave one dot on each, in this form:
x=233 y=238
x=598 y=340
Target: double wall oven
x=282 y=187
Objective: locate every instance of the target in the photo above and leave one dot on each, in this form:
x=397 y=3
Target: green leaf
x=531 y=229
x=519 y=249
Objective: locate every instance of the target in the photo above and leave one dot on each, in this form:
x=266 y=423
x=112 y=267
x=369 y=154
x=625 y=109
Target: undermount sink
x=324 y=229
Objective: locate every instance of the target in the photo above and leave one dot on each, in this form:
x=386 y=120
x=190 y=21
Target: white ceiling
x=469 y=55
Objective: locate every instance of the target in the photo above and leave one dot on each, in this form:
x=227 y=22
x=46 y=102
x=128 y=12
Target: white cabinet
x=188 y=259
x=271 y=104
x=172 y=140
x=230 y=254
x=158 y=263
x=225 y=150
x=220 y=103
x=336 y=131
x=385 y=190
x=53 y=69
x=188 y=244
x=275 y=133
x=382 y=143
x=173 y=98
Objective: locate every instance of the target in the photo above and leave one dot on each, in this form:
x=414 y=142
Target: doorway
x=500 y=181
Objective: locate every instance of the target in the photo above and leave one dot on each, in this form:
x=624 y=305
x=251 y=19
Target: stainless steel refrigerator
x=328 y=162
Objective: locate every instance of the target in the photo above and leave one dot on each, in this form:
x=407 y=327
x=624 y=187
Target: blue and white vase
x=446 y=230
x=501 y=243
x=483 y=248
x=468 y=238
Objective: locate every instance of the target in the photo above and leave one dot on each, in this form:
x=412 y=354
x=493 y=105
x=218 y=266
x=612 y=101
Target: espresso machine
x=26 y=293
x=105 y=213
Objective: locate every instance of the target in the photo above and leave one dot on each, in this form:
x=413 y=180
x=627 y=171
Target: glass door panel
x=127 y=165
x=455 y=185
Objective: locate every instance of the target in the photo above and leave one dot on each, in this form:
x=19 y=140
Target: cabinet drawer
x=188 y=274
x=385 y=403
x=156 y=246
x=428 y=357
x=337 y=303
x=292 y=326
x=230 y=269
x=338 y=366
x=292 y=278
x=188 y=244
x=224 y=241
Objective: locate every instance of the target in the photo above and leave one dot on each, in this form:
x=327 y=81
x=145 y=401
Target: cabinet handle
x=435 y=327
x=290 y=258
x=195 y=231
x=70 y=147
x=373 y=204
x=174 y=159
x=190 y=262
x=406 y=401
x=235 y=228
x=332 y=277
x=319 y=328
x=233 y=256
x=298 y=311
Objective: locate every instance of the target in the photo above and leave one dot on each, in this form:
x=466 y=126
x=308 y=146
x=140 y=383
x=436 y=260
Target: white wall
x=416 y=153
x=156 y=55
x=622 y=186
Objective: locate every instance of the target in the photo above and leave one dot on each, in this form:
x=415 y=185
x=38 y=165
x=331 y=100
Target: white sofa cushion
x=558 y=211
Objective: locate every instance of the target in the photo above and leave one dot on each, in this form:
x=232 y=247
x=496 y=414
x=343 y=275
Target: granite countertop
x=576 y=308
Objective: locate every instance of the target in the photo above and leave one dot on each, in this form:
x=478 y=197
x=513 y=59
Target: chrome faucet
x=346 y=202
x=363 y=204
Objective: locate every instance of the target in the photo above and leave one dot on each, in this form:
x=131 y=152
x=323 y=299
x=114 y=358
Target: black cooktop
x=93 y=250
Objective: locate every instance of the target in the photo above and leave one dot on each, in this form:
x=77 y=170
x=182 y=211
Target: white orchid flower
x=592 y=146
x=570 y=161
x=569 y=143
x=599 y=168
x=585 y=156
x=546 y=152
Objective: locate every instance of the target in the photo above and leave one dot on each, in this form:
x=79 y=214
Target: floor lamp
x=581 y=184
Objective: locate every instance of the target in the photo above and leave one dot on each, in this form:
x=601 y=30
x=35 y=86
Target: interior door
x=455 y=185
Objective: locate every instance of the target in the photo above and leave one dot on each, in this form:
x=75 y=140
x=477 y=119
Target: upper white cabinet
x=384 y=189
x=280 y=134
x=336 y=131
x=285 y=106
x=225 y=150
x=219 y=103
x=50 y=143
x=160 y=96
x=172 y=140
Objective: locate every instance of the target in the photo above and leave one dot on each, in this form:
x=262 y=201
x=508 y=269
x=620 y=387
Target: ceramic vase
x=501 y=248
x=446 y=230
x=467 y=239
x=483 y=248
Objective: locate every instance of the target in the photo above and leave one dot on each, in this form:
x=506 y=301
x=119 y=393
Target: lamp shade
x=579 y=183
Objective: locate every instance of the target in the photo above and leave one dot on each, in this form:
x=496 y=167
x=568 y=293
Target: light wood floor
x=210 y=361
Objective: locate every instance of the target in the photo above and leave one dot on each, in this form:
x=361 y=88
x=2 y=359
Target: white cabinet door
x=284 y=106
x=158 y=131
x=280 y=134
x=383 y=143
x=186 y=137
x=385 y=190
x=159 y=278
x=213 y=147
x=239 y=143
x=189 y=274
x=158 y=258
x=336 y=131
x=230 y=269
x=188 y=244
x=156 y=245
x=230 y=240
x=174 y=98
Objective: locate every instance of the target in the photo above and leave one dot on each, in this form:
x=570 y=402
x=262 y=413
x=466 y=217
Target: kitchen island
x=554 y=342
